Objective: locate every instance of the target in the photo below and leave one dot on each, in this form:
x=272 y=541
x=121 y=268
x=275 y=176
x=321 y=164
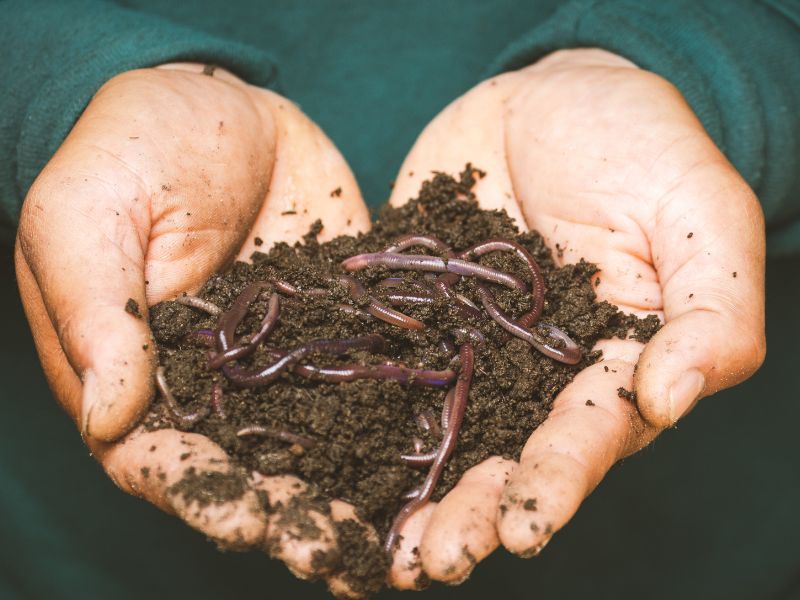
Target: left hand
x=609 y=163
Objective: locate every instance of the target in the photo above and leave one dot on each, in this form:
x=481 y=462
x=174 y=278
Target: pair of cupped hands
x=170 y=174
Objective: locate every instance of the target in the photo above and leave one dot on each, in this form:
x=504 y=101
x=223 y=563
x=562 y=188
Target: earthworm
x=184 y=419
x=199 y=303
x=429 y=241
x=216 y=400
x=278 y=434
x=420 y=298
x=569 y=354
x=267 y=325
x=423 y=262
x=403 y=375
x=352 y=310
x=537 y=280
x=419 y=460
x=410 y=494
x=460 y=395
x=469 y=333
x=372 y=343
x=378 y=309
x=204 y=336
x=427 y=422
x=229 y=321
x=446 y=346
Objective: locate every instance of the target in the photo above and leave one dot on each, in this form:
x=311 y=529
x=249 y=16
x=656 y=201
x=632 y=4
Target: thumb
x=708 y=249
x=80 y=264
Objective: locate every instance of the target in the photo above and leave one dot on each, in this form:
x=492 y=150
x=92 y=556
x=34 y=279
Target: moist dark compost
x=340 y=373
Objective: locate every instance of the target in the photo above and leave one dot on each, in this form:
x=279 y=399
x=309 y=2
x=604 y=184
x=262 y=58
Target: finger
x=406 y=572
x=108 y=348
x=708 y=248
x=458 y=136
x=310 y=181
x=190 y=476
x=299 y=528
x=588 y=430
x=462 y=530
x=366 y=556
x=64 y=382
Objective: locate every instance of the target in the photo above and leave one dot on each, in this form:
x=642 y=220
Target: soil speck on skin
x=690 y=235
x=627 y=394
x=258 y=241
x=132 y=307
x=589 y=403
x=530 y=503
x=337 y=193
x=289 y=212
x=361 y=428
x=208 y=487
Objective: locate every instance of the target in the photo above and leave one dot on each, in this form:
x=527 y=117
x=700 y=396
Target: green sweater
x=354 y=65
x=372 y=74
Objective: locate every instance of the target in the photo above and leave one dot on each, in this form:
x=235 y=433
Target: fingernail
x=88 y=398
x=684 y=393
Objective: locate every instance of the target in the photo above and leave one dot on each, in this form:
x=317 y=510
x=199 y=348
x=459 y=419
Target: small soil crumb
x=289 y=212
x=530 y=503
x=337 y=193
x=258 y=241
x=690 y=234
x=589 y=403
x=627 y=394
x=132 y=307
x=209 y=70
x=360 y=428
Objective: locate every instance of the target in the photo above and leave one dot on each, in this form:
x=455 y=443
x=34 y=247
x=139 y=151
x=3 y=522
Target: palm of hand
x=169 y=175
x=609 y=164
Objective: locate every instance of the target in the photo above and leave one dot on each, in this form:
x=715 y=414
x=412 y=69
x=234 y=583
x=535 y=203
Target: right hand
x=166 y=178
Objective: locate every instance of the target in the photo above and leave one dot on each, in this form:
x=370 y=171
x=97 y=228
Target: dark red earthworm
x=410 y=494
x=204 y=336
x=569 y=354
x=458 y=407
x=469 y=333
x=372 y=343
x=418 y=298
x=423 y=262
x=185 y=419
x=352 y=310
x=428 y=241
x=378 y=309
x=403 y=375
x=419 y=460
x=268 y=323
x=537 y=280
x=278 y=434
x=199 y=303
x=216 y=400
x=229 y=321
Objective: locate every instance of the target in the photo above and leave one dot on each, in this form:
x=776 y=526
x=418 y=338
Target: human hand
x=168 y=176
x=610 y=164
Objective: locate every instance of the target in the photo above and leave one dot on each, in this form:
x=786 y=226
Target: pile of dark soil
x=361 y=428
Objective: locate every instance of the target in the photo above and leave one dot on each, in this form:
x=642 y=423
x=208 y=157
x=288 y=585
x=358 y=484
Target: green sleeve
x=56 y=54
x=736 y=62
